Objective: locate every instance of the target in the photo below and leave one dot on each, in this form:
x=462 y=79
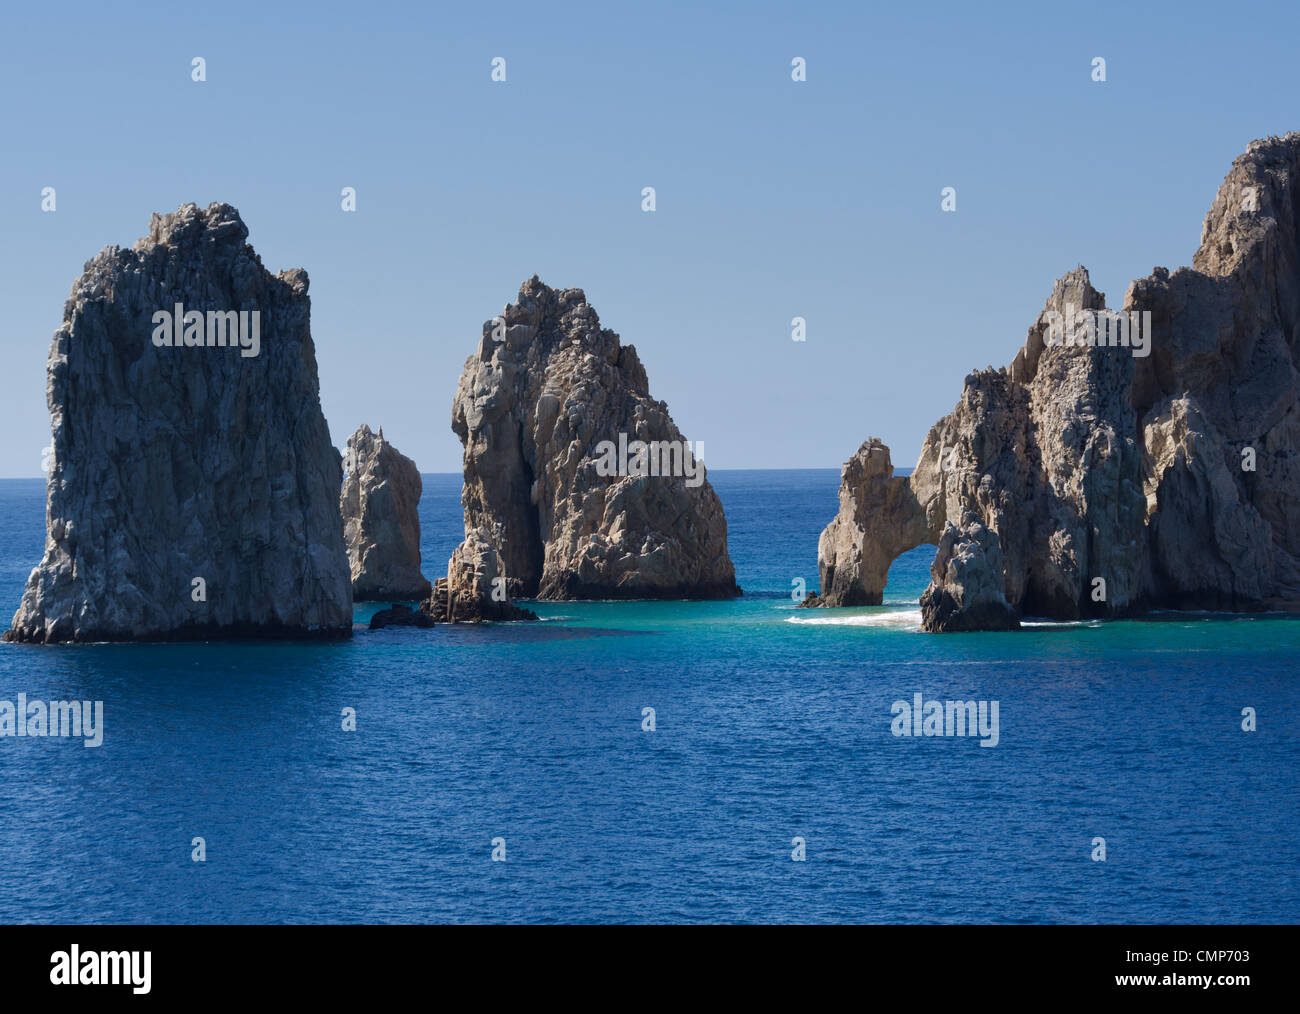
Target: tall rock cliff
x=1122 y=462
x=576 y=477
x=193 y=490
x=380 y=502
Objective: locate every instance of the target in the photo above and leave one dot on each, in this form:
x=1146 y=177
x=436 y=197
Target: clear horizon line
x=800 y=468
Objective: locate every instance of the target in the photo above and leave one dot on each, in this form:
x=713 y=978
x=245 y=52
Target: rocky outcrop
x=193 y=489
x=879 y=518
x=400 y=615
x=475 y=588
x=1227 y=332
x=576 y=477
x=966 y=581
x=1121 y=462
x=380 y=502
x=1210 y=546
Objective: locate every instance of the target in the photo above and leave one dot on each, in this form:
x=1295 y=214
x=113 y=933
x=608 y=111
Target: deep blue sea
x=771 y=724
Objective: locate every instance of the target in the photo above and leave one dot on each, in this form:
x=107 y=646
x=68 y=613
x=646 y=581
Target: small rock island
x=380 y=502
x=578 y=485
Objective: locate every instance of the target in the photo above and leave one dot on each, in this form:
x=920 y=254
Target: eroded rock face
x=546 y=388
x=966 y=581
x=380 y=502
x=475 y=588
x=880 y=518
x=1114 y=482
x=193 y=489
x=1227 y=332
x=1210 y=546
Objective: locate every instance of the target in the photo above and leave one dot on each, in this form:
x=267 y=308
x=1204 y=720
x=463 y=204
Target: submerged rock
x=380 y=502
x=193 y=490
x=1152 y=463
x=550 y=411
x=400 y=615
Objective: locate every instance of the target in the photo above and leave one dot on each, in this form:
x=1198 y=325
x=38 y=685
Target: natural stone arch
x=880 y=518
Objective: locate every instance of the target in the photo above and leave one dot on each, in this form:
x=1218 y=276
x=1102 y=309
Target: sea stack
x=1145 y=459
x=577 y=478
x=193 y=489
x=475 y=588
x=380 y=502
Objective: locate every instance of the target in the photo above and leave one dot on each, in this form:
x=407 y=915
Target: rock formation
x=475 y=588
x=879 y=518
x=1104 y=473
x=574 y=475
x=400 y=615
x=193 y=490
x=380 y=502
x=966 y=581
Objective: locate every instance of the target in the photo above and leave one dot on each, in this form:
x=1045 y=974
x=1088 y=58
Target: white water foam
x=902 y=619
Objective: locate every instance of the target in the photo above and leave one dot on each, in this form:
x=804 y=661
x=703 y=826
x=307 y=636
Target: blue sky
x=775 y=199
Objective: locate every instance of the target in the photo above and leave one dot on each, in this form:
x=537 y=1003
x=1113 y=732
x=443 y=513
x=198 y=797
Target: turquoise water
x=771 y=724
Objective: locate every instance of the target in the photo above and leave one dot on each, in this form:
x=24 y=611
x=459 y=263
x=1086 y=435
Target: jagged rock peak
x=193 y=491
x=577 y=476
x=1130 y=460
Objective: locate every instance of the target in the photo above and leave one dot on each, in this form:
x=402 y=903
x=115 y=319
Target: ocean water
x=771 y=724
